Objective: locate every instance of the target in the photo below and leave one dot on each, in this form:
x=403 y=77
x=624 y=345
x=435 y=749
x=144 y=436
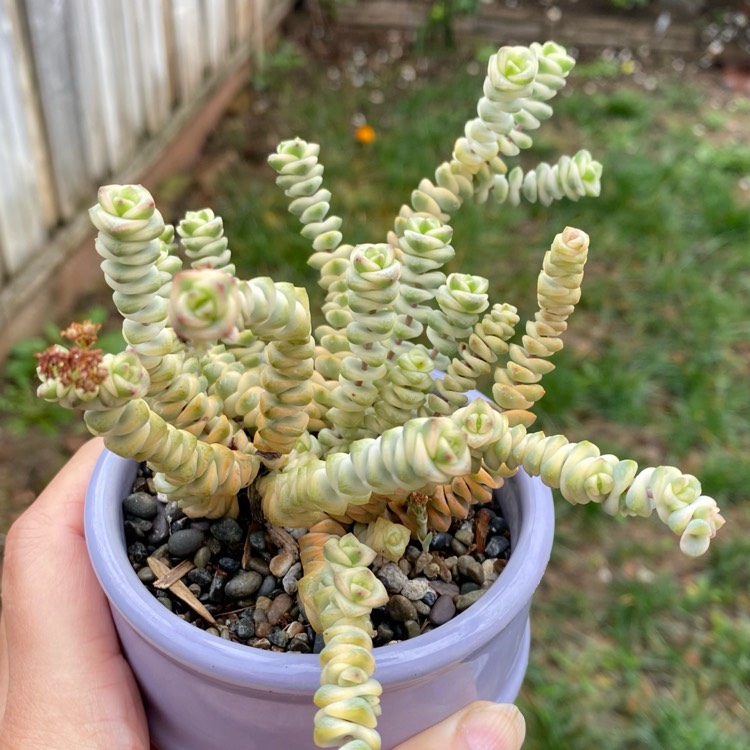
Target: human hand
x=64 y=682
x=479 y=726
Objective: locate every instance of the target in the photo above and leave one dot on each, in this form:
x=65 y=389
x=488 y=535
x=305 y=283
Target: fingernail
x=492 y=726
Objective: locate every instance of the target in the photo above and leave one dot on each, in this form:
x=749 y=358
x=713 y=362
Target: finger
x=54 y=610
x=61 y=654
x=3 y=668
x=478 y=726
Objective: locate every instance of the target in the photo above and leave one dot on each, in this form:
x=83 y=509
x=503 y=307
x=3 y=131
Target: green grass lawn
x=633 y=646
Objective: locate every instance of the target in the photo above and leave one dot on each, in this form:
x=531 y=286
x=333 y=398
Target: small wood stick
x=173 y=575
x=180 y=590
x=284 y=540
x=481 y=529
x=247 y=552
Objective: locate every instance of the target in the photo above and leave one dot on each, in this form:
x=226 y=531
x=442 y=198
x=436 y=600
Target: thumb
x=63 y=674
x=479 y=726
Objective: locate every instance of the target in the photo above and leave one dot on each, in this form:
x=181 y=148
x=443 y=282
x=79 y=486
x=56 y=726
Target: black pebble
x=279 y=638
x=137 y=553
x=268 y=586
x=246 y=629
x=137 y=528
x=226 y=530
x=140 y=504
x=258 y=541
x=497 y=546
x=159 y=529
x=180 y=524
x=497 y=526
x=216 y=591
x=185 y=542
x=200 y=576
x=230 y=564
x=441 y=541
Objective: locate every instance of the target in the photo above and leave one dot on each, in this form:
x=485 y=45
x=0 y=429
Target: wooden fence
x=584 y=24
x=86 y=88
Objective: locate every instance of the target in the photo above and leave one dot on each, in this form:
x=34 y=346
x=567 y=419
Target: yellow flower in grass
x=364 y=134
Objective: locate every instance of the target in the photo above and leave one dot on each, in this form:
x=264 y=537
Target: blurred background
x=633 y=645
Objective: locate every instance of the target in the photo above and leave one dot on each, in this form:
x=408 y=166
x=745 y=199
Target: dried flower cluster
x=79 y=367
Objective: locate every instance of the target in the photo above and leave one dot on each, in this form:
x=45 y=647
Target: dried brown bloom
x=418 y=499
x=81 y=334
x=481 y=530
x=81 y=368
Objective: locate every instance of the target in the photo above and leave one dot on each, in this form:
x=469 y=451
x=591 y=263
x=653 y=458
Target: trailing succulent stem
x=342 y=591
x=517 y=386
x=349 y=432
x=584 y=475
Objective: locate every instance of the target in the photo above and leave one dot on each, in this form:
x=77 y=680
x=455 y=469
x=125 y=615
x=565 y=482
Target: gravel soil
x=241 y=575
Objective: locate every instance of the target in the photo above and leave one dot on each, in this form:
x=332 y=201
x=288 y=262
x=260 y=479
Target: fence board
x=51 y=37
x=242 y=21
x=130 y=72
x=189 y=46
x=382 y=14
x=90 y=103
x=102 y=83
x=216 y=25
x=121 y=90
x=152 y=51
x=275 y=10
x=524 y=23
x=597 y=32
x=21 y=225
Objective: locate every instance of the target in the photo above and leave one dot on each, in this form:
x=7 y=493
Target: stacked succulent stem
x=138 y=268
x=341 y=591
x=517 y=386
x=372 y=282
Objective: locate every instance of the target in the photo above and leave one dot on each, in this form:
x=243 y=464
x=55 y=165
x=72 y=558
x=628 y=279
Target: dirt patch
x=27 y=464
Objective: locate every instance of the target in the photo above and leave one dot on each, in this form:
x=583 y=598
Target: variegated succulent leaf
x=385 y=537
x=202 y=234
x=204 y=305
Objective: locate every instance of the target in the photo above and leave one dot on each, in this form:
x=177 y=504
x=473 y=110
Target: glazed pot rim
x=244 y=666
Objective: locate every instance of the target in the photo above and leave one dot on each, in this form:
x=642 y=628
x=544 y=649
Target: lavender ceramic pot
x=202 y=692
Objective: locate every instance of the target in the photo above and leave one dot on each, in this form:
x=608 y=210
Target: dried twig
x=284 y=540
x=247 y=552
x=481 y=529
x=173 y=575
x=180 y=590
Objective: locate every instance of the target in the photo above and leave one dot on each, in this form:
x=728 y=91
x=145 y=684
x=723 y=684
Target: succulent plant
x=350 y=433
